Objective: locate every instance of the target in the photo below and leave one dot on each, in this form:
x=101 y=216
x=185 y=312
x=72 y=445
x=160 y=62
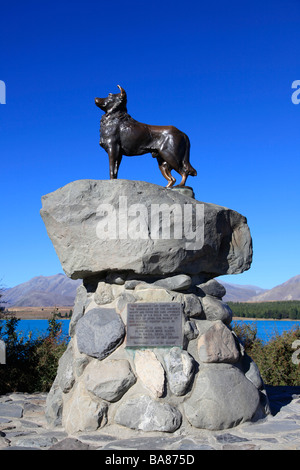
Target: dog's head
x=113 y=103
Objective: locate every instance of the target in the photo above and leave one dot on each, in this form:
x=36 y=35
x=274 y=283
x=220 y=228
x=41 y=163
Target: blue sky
x=220 y=71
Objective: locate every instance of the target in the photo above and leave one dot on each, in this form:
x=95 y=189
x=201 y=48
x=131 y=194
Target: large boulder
x=146 y=414
x=99 y=332
x=217 y=344
x=133 y=226
x=110 y=379
x=222 y=398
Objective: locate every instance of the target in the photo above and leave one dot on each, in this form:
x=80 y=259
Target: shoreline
x=38 y=313
x=264 y=319
x=46 y=313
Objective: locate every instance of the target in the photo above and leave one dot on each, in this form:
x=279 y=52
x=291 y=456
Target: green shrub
x=31 y=363
x=274 y=358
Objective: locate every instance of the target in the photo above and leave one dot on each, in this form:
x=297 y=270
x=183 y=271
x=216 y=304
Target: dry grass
x=37 y=313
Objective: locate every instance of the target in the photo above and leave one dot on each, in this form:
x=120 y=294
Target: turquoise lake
x=265 y=328
x=39 y=327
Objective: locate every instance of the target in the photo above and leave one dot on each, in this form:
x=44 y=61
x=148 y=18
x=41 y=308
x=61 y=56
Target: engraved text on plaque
x=154 y=324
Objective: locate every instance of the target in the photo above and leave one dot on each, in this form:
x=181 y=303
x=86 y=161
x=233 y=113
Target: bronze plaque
x=154 y=324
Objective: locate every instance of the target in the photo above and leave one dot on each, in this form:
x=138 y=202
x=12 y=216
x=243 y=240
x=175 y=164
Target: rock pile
x=117 y=225
x=207 y=381
x=210 y=382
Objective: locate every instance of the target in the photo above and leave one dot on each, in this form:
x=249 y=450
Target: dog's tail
x=189 y=170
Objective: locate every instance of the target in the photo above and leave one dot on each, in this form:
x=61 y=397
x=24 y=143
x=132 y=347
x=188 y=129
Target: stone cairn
x=207 y=382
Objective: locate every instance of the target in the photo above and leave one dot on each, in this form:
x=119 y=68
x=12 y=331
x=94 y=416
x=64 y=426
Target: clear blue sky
x=220 y=71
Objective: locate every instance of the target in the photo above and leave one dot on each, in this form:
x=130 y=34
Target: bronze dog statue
x=120 y=135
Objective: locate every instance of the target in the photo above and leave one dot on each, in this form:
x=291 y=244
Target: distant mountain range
x=289 y=290
x=42 y=291
x=239 y=293
x=59 y=290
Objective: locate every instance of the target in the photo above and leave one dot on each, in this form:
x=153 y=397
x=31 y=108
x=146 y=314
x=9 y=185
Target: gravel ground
x=23 y=427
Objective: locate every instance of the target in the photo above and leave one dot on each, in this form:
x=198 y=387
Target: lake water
x=39 y=327
x=265 y=328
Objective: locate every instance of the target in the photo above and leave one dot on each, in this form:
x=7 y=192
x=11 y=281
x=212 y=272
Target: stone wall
x=209 y=383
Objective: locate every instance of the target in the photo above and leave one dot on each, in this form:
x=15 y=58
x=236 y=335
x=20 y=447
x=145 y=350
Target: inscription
x=154 y=324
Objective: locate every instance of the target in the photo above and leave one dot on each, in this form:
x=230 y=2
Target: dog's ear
x=123 y=92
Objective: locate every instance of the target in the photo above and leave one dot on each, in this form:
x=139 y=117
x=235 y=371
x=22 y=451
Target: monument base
x=154 y=372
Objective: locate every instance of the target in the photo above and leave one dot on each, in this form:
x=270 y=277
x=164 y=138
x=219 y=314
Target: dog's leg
x=184 y=177
x=117 y=164
x=115 y=158
x=166 y=172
